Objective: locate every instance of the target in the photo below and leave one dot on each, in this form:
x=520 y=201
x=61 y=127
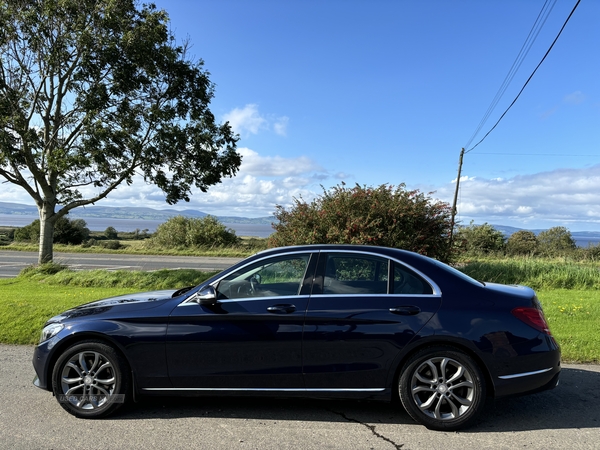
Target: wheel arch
x=454 y=344
x=77 y=338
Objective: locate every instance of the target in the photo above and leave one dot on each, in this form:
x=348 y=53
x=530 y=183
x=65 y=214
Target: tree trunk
x=47 y=221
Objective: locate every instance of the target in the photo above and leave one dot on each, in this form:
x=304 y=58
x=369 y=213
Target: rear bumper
x=529 y=373
x=528 y=382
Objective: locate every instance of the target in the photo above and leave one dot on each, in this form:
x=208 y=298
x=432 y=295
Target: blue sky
x=388 y=91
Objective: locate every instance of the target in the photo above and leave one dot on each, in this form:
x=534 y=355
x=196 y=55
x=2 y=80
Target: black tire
x=442 y=388
x=91 y=380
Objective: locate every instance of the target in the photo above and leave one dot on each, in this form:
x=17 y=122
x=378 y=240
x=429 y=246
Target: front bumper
x=40 y=365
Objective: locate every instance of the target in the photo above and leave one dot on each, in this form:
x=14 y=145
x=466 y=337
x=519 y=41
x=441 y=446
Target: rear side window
x=355 y=274
x=408 y=282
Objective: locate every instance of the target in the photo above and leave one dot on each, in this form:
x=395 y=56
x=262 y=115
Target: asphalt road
x=11 y=262
x=567 y=417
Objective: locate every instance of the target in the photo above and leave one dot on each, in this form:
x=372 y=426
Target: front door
x=252 y=337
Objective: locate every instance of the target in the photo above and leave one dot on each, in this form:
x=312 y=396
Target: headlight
x=50 y=331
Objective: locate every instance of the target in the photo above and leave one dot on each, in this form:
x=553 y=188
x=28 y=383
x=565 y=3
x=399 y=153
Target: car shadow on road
x=575 y=403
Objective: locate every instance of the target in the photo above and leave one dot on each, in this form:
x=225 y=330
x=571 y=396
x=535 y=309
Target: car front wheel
x=90 y=380
x=442 y=388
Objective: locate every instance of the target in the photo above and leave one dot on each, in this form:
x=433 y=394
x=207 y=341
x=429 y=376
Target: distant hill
x=136 y=213
x=582 y=238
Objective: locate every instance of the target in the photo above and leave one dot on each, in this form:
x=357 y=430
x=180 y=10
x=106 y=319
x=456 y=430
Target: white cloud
x=275 y=166
x=567 y=197
x=248 y=120
x=11 y=193
x=280 y=125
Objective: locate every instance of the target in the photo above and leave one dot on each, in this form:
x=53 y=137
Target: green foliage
x=49 y=268
x=111 y=233
x=522 y=242
x=555 y=241
x=143 y=234
x=69 y=232
x=93 y=92
x=590 y=253
x=7 y=235
x=111 y=245
x=28 y=233
x=536 y=273
x=386 y=216
x=479 y=239
x=142 y=281
x=182 y=232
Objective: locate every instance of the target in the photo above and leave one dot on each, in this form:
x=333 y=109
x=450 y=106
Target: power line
x=533 y=154
x=529 y=79
x=531 y=37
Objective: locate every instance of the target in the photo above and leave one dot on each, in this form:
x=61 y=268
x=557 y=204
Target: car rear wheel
x=90 y=380
x=442 y=388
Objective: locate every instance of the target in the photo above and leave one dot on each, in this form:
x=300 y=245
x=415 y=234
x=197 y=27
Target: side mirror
x=207 y=296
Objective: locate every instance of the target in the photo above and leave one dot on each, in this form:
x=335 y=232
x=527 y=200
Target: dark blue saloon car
x=319 y=321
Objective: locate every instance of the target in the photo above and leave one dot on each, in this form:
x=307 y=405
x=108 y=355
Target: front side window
x=355 y=274
x=274 y=277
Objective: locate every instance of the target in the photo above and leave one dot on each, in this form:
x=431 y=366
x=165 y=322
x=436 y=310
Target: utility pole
x=460 y=163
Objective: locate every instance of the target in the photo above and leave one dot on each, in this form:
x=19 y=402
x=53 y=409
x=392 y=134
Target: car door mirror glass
x=207 y=296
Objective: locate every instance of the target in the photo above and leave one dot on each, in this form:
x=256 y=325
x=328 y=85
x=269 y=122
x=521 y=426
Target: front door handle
x=281 y=309
x=409 y=310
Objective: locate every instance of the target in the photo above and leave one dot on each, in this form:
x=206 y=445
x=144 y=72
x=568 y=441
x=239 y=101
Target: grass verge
x=573 y=319
x=26 y=302
x=540 y=274
x=142 y=247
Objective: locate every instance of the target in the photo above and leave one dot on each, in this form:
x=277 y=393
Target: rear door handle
x=281 y=309
x=409 y=310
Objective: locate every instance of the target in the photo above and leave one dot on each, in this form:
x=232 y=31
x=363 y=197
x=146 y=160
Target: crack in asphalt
x=370 y=427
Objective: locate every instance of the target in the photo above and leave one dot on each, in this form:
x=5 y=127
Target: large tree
x=93 y=92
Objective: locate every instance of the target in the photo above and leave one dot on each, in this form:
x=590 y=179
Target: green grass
x=136 y=280
x=26 y=302
x=539 y=274
x=25 y=305
x=247 y=247
x=574 y=319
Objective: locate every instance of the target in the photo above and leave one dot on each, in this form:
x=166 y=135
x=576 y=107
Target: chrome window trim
x=377 y=295
x=270 y=389
x=435 y=288
x=190 y=300
x=524 y=374
x=254 y=299
x=250 y=299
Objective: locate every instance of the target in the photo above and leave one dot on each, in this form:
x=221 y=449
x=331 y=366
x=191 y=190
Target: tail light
x=534 y=317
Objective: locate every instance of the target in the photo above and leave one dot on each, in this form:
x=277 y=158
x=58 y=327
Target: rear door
x=363 y=310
